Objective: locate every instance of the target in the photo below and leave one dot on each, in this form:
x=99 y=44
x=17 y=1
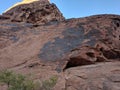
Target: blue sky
x=77 y=8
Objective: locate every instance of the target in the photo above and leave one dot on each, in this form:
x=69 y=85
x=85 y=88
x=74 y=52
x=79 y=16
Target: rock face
x=94 y=77
x=84 y=53
x=40 y=12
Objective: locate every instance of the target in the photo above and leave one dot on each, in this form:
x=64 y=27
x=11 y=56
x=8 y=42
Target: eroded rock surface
x=72 y=42
x=40 y=12
x=84 y=53
x=104 y=76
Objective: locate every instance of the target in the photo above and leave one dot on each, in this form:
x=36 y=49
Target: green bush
x=16 y=81
x=19 y=82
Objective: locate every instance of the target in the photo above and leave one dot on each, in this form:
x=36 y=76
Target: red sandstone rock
x=62 y=47
x=40 y=12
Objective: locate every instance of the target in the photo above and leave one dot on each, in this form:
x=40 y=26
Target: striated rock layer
x=84 y=53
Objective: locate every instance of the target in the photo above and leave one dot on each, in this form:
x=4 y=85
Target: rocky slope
x=84 y=52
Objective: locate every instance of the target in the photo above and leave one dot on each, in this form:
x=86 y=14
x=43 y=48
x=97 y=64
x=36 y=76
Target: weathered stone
x=36 y=39
x=98 y=77
x=39 y=12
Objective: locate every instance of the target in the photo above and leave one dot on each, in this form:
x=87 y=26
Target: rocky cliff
x=84 y=53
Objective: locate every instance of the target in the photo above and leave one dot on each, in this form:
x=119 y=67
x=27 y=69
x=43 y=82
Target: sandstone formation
x=40 y=11
x=84 y=52
x=23 y=2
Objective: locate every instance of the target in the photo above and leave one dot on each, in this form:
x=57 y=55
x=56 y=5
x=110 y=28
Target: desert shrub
x=20 y=82
x=16 y=81
x=49 y=84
